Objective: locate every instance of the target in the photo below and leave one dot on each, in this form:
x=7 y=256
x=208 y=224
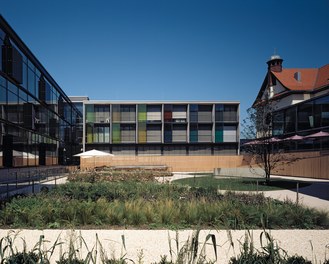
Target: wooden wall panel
x=175 y=163
x=309 y=164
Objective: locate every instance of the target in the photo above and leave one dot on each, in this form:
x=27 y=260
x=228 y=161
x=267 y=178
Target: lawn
x=239 y=183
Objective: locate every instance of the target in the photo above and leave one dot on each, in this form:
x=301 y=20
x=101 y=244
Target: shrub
x=138 y=204
x=67 y=260
x=113 y=174
x=164 y=260
x=22 y=258
x=297 y=260
x=115 y=261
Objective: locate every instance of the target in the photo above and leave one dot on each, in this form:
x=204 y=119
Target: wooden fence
x=175 y=163
x=302 y=164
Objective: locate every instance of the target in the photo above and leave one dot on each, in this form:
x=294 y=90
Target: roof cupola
x=275 y=63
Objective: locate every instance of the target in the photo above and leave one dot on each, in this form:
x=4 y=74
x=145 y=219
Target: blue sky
x=169 y=49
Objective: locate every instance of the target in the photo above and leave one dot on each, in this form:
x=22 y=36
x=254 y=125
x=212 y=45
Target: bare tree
x=257 y=127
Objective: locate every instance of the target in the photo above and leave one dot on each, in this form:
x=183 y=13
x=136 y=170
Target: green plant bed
x=239 y=183
x=138 y=205
x=112 y=174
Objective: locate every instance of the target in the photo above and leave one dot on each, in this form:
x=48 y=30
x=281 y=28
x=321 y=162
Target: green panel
x=142 y=112
x=141 y=132
x=193 y=136
x=89 y=134
x=219 y=136
x=90 y=113
x=116 y=133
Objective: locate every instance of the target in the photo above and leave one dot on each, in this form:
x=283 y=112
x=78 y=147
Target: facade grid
x=162 y=128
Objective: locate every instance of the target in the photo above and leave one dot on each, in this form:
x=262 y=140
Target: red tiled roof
x=311 y=79
x=323 y=76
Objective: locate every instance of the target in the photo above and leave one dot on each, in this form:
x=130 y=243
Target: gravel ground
x=149 y=245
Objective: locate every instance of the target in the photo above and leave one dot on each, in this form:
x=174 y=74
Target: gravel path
x=149 y=245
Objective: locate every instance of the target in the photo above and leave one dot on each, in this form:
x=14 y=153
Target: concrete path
x=36 y=188
x=316 y=195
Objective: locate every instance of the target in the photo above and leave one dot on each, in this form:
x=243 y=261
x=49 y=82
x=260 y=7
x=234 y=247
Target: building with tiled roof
x=300 y=103
x=294 y=85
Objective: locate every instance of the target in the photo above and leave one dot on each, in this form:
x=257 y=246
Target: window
x=128 y=113
x=305 y=116
x=321 y=111
x=193 y=113
x=278 y=123
x=90 y=114
x=168 y=113
x=3 y=95
x=31 y=81
x=128 y=133
x=179 y=133
x=290 y=120
x=154 y=113
x=102 y=113
x=205 y=113
x=226 y=112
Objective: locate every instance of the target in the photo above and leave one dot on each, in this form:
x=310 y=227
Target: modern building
x=300 y=100
x=41 y=125
x=162 y=127
x=38 y=122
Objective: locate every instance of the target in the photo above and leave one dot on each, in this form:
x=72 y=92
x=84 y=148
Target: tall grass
x=112 y=174
x=232 y=211
x=268 y=253
x=10 y=254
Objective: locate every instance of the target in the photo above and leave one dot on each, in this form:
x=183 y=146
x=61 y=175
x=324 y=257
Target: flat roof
x=157 y=102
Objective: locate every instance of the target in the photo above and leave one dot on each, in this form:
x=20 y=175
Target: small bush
x=64 y=260
x=139 y=204
x=112 y=174
x=164 y=260
x=22 y=258
x=115 y=261
x=297 y=260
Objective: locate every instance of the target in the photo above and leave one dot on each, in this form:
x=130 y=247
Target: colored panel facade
x=166 y=128
x=116 y=133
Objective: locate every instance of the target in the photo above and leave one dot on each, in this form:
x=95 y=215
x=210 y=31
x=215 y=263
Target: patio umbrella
x=295 y=137
x=93 y=153
x=318 y=134
x=253 y=142
x=274 y=139
x=262 y=141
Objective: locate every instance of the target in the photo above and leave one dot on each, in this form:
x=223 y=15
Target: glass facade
x=166 y=128
x=37 y=120
x=303 y=119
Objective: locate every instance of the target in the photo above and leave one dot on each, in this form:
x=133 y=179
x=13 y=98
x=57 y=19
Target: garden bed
x=133 y=204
